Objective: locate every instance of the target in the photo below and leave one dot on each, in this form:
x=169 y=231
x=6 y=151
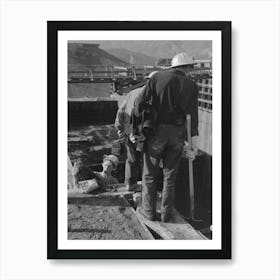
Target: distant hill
x=122 y=53
x=131 y=57
x=200 y=49
x=83 y=54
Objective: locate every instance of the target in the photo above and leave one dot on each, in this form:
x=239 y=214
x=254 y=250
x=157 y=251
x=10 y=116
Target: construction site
x=98 y=83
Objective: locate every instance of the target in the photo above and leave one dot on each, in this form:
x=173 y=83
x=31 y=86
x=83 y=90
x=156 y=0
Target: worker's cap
x=152 y=74
x=182 y=59
x=113 y=159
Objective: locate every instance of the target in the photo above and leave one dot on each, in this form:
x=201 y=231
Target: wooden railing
x=205 y=94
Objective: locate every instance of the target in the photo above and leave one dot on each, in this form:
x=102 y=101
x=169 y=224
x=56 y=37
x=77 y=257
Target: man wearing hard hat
x=174 y=95
x=124 y=129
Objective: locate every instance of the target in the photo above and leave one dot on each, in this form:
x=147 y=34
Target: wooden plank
x=80 y=138
x=205 y=101
x=141 y=221
x=157 y=227
x=180 y=220
x=178 y=229
x=182 y=229
x=77 y=193
x=116 y=190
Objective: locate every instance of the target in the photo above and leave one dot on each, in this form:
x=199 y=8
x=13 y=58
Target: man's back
x=131 y=97
x=174 y=96
x=123 y=117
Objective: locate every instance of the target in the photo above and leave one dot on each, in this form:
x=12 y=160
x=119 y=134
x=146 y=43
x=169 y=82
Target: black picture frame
x=52 y=102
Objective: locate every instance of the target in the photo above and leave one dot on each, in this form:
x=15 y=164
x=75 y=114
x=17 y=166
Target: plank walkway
x=178 y=229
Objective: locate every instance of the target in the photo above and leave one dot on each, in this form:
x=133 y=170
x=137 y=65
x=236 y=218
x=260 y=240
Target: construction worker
x=88 y=181
x=124 y=129
x=173 y=95
x=105 y=178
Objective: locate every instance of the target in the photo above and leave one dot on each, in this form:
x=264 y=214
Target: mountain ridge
x=135 y=58
x=200 y=49
x=82 y=54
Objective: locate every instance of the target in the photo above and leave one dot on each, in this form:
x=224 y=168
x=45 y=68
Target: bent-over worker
x=124 y=129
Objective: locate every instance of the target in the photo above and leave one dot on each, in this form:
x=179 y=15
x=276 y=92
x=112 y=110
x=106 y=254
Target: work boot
x=145 y=215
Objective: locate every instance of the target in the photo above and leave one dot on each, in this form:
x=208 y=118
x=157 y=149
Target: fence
x=205 y=94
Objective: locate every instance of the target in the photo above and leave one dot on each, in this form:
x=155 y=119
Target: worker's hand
x=132 y=138
x=120 y=133
x=136 y=138
x=195 y=142
x=191 y=154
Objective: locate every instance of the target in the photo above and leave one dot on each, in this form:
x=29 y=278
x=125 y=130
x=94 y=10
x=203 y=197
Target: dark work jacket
x=173 y=96
x=144 y=122
x=143 y=118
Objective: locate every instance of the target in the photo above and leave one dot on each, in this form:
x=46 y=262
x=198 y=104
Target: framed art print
x=139 y=140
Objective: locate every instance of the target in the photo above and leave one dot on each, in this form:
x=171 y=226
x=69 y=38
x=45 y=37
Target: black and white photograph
x=125 y=155
x=136 y=115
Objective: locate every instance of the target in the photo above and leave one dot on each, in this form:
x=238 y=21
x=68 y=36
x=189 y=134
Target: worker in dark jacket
x=173 y=96
x=123 y=124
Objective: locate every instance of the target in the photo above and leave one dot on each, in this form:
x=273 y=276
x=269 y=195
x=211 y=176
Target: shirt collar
x=178 y=71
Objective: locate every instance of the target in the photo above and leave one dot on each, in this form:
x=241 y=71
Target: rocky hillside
x=81 y=55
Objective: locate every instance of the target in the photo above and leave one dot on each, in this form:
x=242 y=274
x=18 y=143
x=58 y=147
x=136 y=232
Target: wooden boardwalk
x=177 y=229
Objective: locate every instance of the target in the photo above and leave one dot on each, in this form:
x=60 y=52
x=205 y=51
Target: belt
x=177 y=122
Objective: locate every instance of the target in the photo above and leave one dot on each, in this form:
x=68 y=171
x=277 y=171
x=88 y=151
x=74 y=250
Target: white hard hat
x=182 y=59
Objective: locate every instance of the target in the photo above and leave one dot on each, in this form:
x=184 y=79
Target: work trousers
x=132 y=163
x=166 y=146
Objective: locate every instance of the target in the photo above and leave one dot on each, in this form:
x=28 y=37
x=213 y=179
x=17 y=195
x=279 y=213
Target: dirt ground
x=102 y=218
